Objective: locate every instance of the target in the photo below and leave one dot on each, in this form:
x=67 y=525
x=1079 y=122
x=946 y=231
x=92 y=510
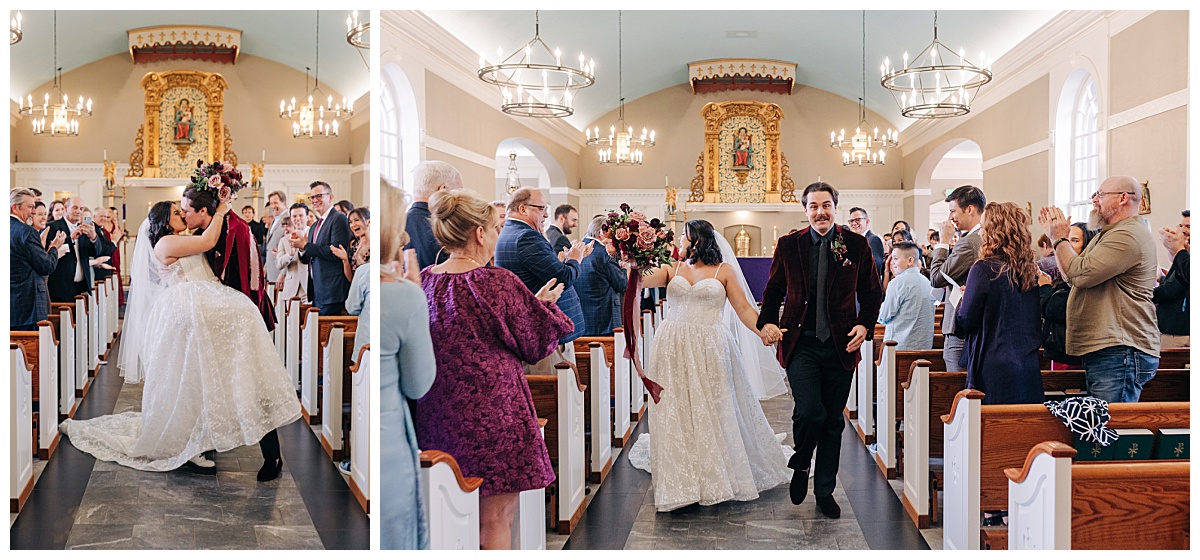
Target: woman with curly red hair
x=999 y=314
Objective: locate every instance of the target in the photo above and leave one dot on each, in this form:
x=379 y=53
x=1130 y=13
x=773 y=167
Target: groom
x=825 y=277
x=236 y=261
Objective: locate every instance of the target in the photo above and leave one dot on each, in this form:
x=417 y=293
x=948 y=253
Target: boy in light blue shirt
x=907 y=309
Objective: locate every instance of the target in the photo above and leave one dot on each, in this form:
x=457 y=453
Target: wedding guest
x=1171 y=294
x=860 y=223
x=344 y=206
x=524 y=250
x=428 y=177
x=601 y=285
x=102 y=266
x=257 y=228
x=1053 y=293
x=37 y=195
x=115 y=232
x=39 y=218
x=277 y=205
x=329 y=282
x=1045 y=247
x=407 y=370
x=484 y=324
x=57 y=209
x=360 y=243
x=907 y=309
x=998 y=316
x=966 y=211
x=566 y=219
x=897 y=237
x=500 y=207
x=30 y=262
x=1111 y=322
x=293 y=274
x=73 y=274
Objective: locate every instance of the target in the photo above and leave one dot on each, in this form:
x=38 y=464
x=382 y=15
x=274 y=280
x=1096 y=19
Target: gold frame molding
x=144 y=160
x=704 y=188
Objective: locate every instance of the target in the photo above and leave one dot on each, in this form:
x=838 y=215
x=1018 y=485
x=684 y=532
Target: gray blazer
x=273 y=236
x=956 y=263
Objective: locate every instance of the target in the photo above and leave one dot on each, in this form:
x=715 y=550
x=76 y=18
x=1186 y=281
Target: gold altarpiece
x=184 y=122
x=741 y=162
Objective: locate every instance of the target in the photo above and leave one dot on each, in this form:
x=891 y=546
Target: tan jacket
x=295 y=282
x=1113 y=283
x=956 y=263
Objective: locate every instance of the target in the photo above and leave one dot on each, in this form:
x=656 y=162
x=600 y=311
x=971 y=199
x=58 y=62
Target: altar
x=757 y=271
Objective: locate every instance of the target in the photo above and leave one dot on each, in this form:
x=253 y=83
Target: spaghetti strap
x=718 y=269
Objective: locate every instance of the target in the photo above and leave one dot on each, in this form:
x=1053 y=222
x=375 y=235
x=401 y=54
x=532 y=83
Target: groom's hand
x=857 y=335
x=771 y=334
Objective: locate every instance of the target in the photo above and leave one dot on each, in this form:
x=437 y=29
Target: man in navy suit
x=601 y=285
x=566 y=218
x=860 y=223
x=428 y=177
x=72 y=277
x=523 y=249
x=330 y=286
x=28 y=298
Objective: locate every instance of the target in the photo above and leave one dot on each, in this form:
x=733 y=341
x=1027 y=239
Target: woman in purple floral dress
x=484 y=323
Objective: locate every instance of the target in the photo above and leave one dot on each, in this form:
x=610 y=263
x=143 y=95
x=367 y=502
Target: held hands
x=1054 y=223
x=550 y=292
x=857 y=335
x=771 y=334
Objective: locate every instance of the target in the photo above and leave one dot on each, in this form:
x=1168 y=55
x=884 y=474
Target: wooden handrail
x=431 y=458
x=70 y=308
x=1141 y=471
x=53 y=337
x=963 y=394
x=1052 y=448
x=886 y=343
x=358 y=361
x=28 y=342
x=912 y=369
x=578 y=381
x=85 y=302
x=305 y=313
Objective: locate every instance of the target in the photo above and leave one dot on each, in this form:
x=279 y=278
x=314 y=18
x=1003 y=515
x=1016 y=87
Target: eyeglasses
x=319 y=195
x=542 y=208
x=857 y=220
x=1099 y=194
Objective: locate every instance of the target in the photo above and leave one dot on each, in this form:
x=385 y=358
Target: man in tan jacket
x=1111 y=319
x=966 y=217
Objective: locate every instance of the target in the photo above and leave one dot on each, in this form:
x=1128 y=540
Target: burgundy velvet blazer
x=852 y=280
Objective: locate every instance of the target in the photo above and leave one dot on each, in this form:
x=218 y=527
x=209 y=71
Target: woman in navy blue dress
x=999 y=315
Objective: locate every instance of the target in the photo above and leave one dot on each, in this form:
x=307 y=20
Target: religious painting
x=1144 y=206
x=741 y=162
x=184 y=122
x=183 y=130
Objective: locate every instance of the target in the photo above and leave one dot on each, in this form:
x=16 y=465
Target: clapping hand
x=579 y=250
x=339 y=252
x=1174 y=241
x=297 y=241
x=1054 y=223
x=550 y=292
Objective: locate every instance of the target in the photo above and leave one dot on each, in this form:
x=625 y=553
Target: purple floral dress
x=484 y=324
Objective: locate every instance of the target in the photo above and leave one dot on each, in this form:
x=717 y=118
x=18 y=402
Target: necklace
x=467 y=257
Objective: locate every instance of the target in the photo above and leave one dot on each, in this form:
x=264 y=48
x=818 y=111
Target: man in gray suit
x=966 y=215
x=277 y=205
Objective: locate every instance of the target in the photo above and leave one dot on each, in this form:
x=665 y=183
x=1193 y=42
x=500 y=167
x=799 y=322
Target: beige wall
x=1148 y=60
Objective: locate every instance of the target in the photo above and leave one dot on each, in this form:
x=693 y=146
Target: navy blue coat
x=330 y=286
x=527 y=253
x=600 y=286
x=420 y=236
x=28 y=296
x=1002 y=328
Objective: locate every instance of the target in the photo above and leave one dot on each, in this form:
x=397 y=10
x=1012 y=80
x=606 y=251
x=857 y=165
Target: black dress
x=1002 y=328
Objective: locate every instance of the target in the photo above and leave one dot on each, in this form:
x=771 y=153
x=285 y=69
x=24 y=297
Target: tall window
x=1085 y=151
x=390 y=154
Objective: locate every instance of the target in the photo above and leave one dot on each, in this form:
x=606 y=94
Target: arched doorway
x=535 y=167
x=951 y=165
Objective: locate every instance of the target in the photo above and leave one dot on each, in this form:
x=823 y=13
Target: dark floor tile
x=287 y=538
x=100 y=537
x=226 y=537
x=163 y=537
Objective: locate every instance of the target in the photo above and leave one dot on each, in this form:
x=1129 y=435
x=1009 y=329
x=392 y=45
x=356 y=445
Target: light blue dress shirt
x=907 y=311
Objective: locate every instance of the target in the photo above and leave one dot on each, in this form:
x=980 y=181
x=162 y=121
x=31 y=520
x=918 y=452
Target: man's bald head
x=1124 y=183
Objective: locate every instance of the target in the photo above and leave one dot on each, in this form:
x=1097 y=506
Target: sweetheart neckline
x=694 y=284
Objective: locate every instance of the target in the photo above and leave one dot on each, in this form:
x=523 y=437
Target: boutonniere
x=838 y=246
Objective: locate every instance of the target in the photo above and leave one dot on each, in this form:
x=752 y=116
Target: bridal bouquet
x=216 y=176
x=642 y=245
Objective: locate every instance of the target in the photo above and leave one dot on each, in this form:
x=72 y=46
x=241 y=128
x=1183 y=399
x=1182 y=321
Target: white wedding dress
x=712 y=442
x=213 y=377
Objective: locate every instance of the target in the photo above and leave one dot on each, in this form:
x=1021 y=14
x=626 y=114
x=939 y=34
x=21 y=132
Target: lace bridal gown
x=712 y=442
x=213 y=377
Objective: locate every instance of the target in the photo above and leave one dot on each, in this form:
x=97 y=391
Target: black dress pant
x=819 y=388
x=270 y=446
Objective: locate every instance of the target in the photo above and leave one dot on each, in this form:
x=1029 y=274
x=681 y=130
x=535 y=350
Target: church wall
x=1021 y=181
x=1148 y=60
x=1155 y=149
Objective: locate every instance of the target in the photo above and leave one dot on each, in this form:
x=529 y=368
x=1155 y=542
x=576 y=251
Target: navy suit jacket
x=600 y=286
x=527 y=253
x=877 y=251
x=62 y=280
x=28 y=297
x=558 y=240
x=420 y=236
x=330 y=285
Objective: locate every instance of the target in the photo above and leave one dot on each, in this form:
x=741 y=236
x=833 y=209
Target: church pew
x=559 y=399
x=982 y=441
x=864 y=385
x=95 y=337
x=622 y=386
x=83 y=372
x=637 y=390
x=20 y=437
x=891 y=371
x=114 y=308
x=529 y=519
x=1055 y=504
x=41 y=349
x=451 y=503
x=591 y=361
x=279 y=335
x=292 y=318
x=332 y=335
x=100 y=289
x=63 y=320
x=360 y=450
x=1174 y=358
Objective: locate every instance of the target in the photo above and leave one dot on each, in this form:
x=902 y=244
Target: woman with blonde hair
x=485 y=324
x=999 y=314
x=406 y=366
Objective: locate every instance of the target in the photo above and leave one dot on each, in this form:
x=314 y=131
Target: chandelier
x=64 y=117
x=356 y=31
x=14 y=29
x=310 y=120
x=620 y=147
x=857 y=149
x=939 y=83
x=513 y=182
x=537 y=89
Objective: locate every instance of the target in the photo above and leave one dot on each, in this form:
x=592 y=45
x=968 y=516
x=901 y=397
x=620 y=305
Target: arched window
x=390 y=153
x=1085 y=150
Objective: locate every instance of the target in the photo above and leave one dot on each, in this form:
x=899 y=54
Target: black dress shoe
x=829 y=507
x=270 y=470
x=799 y=487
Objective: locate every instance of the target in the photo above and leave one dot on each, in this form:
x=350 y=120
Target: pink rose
x=645 y=244
x=662 y=234
x=646 y=236
x=622 y=234
x=214 y=182
x=637 y=216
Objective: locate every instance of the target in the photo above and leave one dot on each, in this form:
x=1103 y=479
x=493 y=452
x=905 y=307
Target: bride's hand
x=223 y=207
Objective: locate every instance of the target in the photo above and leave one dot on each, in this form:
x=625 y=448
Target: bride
x=213 y=377
x=712 y=442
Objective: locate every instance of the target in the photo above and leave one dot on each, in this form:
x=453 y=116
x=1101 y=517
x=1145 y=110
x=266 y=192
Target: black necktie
x=822 y=293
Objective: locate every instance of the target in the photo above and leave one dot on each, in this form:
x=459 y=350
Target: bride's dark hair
x=160 y=221
x=703 y=247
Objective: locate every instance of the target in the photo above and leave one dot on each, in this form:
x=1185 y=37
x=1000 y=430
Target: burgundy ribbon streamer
x=632 y=290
